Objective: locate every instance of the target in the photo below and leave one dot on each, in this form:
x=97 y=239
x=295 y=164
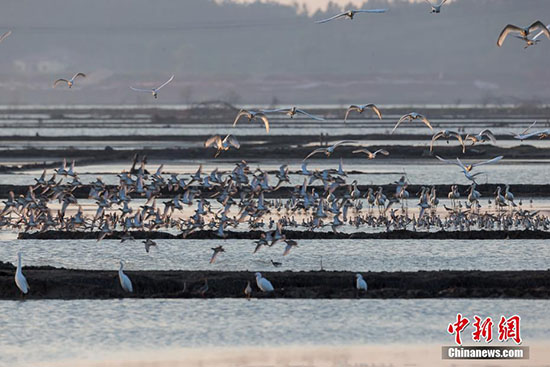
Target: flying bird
x=349 y=14
x=69 y=82
x=413 y=116
x=251 y=115
x=222 y=145
x=483 y=136
x=436 y=8
x=216 y=250
x=371 y=155
x=148 y=243
x=293 y=111
x=328 y=151
x=467 y=168
x=153 y=91
x=5 y=35
x=361 y=109
x=447 y=134
x=523 y=32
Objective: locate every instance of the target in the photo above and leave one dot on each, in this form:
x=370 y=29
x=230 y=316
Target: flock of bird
x=219 y=200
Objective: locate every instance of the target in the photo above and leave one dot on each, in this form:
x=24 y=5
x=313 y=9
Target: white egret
x=264 y=284
x=125 y=282
x=360 y=283
x=20 y=279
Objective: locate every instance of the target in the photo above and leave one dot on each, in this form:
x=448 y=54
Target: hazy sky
x=259 y=53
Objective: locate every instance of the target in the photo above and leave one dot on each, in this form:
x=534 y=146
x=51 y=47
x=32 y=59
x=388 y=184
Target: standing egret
x=360 y=283
x=264 y=284
x=20 y=279
x=125 y=282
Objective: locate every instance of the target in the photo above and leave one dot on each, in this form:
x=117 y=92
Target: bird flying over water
x=523 y=32
x=153 y=91
x=361 y=109
x=251 y=115
x=69 y=82
x=413 y=116
x=328 y=151
x=447 y=134
x=222 y=145
x=371 y=155
x=349 y=14
x=293 y=111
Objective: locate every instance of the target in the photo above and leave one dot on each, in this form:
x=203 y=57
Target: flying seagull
x=523 y=32
x=436 y=8
x=351 y=13
x=361 y=109
x=69 y=82
x=251 y=115
x=292 y=111
x=153 y=91
x=413 y=116
x=467 y=168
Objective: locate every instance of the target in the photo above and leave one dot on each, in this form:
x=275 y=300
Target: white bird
x=5 y=35
x=153 y=91
x=447 y=134
x=264 y=284
x=20 y=279
x=360 y=283
x=125 y=282
x=466 y=169
x=361 y=109
x=251 y=115
x=524 y=134
x=371 y=155
x=413 y=116
x=523 y=32
x=222 y=145
x=328 y=151
x=293 y=111
x=351 y=13
x=533 y=41
x=69 y=82
x=436 y=8
x=482 y=137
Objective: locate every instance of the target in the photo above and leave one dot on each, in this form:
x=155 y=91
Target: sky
x=262 y=53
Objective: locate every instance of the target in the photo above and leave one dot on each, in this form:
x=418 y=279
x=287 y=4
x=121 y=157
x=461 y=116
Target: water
x=348 y=255
x=373 y=172
x=30 y=331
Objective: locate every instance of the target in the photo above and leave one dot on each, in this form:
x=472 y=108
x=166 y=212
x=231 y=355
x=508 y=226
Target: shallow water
x=377 y=172
x=30 y=331
x=349 y=255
